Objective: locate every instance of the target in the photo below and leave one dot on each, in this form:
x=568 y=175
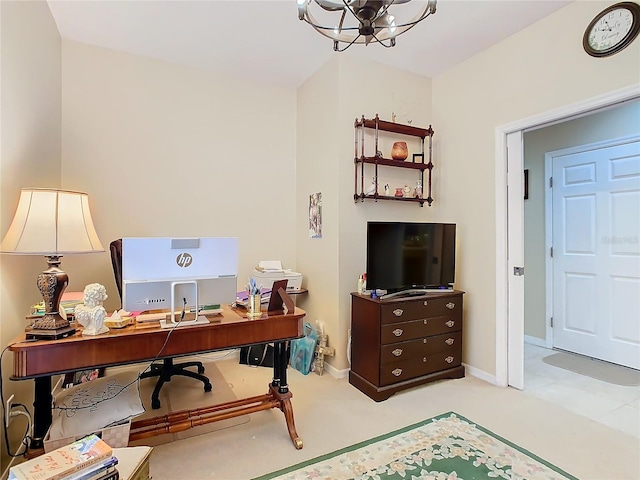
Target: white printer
x=268 y=271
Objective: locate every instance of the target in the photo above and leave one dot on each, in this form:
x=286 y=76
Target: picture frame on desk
x=276 y=301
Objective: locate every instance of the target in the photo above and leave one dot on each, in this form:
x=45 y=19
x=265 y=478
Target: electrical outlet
x=7 y=411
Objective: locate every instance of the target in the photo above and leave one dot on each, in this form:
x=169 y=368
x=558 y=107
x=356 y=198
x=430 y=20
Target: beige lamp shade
x=51 y=222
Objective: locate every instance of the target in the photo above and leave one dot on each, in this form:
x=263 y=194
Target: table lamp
x=52 y=223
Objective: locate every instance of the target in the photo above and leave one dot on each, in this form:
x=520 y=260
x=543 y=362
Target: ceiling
x=263 y=39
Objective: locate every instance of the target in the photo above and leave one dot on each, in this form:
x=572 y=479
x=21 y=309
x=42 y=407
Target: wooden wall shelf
x=417 y=163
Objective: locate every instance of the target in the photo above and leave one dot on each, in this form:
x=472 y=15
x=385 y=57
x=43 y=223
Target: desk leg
x=280 y=361
x=279 y=389
x=42 y=416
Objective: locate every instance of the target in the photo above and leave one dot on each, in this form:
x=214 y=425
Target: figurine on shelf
x=407 y=190
x=418 y=189
x=91 y=314
x=387 y=190
x=372 y=188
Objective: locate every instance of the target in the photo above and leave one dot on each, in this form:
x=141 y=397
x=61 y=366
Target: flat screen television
x=410 y=258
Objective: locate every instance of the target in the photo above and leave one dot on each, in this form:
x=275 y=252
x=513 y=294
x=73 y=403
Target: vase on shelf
x=399 y=151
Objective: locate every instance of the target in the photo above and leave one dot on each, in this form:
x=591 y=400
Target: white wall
x=328 y=104
x=621 y=121
x=318 y=155
x=30 y=108
x=529 y=73
x=167 y=150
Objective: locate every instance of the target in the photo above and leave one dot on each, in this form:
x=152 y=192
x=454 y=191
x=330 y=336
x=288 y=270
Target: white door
x=596 y=251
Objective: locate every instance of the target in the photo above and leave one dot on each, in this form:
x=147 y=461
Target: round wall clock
x=613 y=29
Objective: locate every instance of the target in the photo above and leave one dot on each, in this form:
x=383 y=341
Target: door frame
x=510 y=361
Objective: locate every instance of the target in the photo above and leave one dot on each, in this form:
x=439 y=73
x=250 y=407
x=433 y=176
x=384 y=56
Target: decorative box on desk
x=400 y=343
x=115 y=436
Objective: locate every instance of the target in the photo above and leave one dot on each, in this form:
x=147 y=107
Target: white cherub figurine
x=91 y=314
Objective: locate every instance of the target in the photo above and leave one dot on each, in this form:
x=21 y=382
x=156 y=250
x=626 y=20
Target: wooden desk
x=39 y=360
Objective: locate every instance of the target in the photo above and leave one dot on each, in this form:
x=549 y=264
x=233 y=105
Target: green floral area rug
x=446 y=447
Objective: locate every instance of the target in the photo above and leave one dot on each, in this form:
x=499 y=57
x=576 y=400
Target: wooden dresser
x=400 y=343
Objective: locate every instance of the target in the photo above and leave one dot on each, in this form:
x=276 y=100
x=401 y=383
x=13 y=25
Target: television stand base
x=413 y=292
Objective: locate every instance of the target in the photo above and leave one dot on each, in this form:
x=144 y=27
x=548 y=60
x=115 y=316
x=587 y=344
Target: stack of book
x=89 y=458
x=69 y=301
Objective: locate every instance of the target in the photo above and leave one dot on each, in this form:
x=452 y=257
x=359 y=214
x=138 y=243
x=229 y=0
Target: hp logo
x=184 y=260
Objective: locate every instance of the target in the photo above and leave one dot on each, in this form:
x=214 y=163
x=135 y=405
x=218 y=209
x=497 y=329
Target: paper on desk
x=270 y=265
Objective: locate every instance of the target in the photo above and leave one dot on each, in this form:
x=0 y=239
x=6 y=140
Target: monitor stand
x=175 y=318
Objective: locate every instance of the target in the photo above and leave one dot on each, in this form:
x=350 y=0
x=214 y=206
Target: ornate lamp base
x=52 y=284
x=42 y=334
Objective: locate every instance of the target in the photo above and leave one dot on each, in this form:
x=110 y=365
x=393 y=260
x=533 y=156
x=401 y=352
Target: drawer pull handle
x=397 y=352
x=451 y=305
x=450 y=323
x=398 y=312
x=424 y=359
x=425 y=303
x=397 y=332
x=397 y=372
x=449 y=359
x=424 y=321
x=449 y=341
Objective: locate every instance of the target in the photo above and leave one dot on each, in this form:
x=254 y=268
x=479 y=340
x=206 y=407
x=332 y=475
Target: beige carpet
x=184 y=393
x=331 y=414
x=591 y=367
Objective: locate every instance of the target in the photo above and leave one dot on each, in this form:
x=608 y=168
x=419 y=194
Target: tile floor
x=613 y=405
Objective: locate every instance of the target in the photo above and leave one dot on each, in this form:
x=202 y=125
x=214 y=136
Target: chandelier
x=361 y=21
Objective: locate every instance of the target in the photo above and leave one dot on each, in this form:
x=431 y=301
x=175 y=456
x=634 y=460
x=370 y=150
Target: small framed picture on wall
x=315 y=215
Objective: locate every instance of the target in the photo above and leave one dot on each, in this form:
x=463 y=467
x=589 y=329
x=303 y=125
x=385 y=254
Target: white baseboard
x=334 y=372
x=539 y=342
x=482 y=375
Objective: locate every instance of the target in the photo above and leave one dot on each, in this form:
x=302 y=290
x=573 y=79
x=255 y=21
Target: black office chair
x=167 y=369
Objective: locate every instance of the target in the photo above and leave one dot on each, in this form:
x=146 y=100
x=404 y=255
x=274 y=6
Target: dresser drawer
x=420 y=347
x=404 y=370
x=419 y=309
x=399 y=332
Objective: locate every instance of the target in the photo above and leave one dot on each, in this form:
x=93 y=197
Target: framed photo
x=315 y=215
x=82 y=376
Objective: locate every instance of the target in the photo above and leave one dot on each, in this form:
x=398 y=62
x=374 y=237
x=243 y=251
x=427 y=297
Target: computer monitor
x=178 y=274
